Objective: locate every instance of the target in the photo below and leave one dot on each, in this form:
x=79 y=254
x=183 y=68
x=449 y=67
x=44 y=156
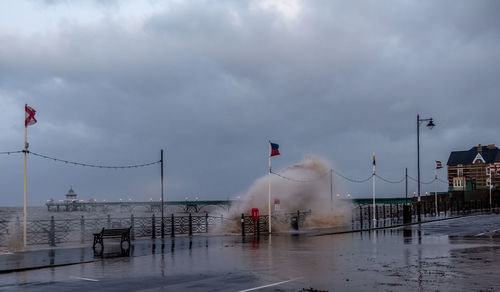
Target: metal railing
x=53 y=232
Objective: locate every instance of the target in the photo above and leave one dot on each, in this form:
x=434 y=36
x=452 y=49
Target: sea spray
x=305 y=186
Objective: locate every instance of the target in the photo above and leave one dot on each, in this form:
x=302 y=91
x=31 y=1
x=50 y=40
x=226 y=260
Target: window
x=488 y=171
x=460 y=172
x=458 y=182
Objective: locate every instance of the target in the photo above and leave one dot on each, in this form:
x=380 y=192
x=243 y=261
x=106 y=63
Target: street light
x=430 y=125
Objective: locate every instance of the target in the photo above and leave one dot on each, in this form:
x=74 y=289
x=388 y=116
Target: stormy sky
x=210 y=82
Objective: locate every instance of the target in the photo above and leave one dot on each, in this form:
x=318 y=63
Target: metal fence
x=57 y=231
x=365 y=212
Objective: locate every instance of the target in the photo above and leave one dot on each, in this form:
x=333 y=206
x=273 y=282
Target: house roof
x=489 y=154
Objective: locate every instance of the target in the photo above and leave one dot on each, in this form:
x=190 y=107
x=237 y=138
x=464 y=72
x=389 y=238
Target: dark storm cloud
x=212 y=82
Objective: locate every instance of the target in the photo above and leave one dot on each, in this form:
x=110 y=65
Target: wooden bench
x=122 y=233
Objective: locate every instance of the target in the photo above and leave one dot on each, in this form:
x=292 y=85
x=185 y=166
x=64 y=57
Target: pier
x=152 y=206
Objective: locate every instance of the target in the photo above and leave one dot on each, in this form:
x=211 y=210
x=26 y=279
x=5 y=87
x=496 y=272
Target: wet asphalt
x=460 y=254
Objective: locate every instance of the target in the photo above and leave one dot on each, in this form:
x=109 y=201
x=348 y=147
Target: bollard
x=153 y=227
x=190 y=225
x=243 y=225
x=172 y=226
x=406 y=213
x=206 y=222
x=82 y=229
x=52 y=232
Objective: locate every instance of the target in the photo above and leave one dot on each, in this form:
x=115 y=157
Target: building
x=71 y=196
x=470 y=169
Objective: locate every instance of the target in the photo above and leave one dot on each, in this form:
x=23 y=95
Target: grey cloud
x=342 y=80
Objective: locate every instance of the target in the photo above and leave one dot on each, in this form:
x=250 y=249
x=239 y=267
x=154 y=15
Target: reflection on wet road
x=416 y=258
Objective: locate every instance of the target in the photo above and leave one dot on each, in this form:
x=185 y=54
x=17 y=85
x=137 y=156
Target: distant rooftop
x=490 y=154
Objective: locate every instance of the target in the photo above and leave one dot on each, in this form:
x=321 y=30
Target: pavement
x=460 y=254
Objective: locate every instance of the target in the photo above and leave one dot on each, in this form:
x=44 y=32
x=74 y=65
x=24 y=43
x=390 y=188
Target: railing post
x=206 y=222
x=132 y=236
x=190 y=224
x=369 y=214
x=360 y=216
x=172 y=226
x=298 y=219
x=242 y=224
x=153 y=227
x=82 y=229
x=19 y=231
x=258 y=227
x=52 y=232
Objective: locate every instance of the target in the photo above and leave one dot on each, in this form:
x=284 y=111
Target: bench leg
x=125 y=238
x=98 y=240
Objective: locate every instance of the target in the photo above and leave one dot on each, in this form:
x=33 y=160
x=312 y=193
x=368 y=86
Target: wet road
x=453 y=255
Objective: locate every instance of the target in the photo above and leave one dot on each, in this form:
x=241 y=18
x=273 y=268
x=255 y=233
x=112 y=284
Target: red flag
x=29 y=116
x=274 y=149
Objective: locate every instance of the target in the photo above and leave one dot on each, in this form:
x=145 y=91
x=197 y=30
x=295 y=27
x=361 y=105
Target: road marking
x=85 y=279
x=483 y=233
x=270 y=285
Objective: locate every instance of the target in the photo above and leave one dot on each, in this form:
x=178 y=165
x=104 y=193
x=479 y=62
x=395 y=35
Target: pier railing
x=53 y=232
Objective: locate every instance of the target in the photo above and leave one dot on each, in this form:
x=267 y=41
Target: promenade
x=457 y=254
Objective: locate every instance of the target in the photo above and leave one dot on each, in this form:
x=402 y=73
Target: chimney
x=492 y=146
x=479 y=148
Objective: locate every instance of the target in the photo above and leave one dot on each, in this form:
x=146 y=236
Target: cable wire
x=299 y=180
x=442 y=181
x=353 y=180
x=422 y=182
x=390 y=181
x=93 y=165
x=11 y=152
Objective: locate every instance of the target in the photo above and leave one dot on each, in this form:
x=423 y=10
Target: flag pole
x=269 y=186
x=25 y=181
x=373 y=187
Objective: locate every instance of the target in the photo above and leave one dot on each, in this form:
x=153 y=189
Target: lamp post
x=430 y=125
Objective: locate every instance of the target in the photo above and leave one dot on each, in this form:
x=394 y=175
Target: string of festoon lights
x=355 y=180
x=304 y=180
x=75 y=163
